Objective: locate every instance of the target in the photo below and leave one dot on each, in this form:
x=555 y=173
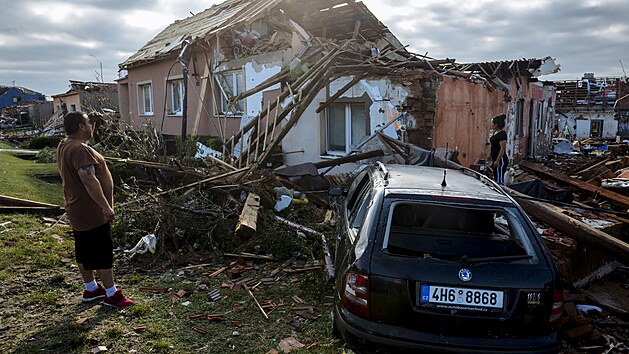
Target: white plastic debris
x=204 y=151
x=283 y=202
x=146 y=243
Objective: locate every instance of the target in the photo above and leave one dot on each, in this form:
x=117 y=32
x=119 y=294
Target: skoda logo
x=465 y=274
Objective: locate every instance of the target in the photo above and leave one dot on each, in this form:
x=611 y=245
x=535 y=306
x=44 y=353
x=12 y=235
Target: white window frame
x=348 y=127
x=232 y=76
x=142 y=109
x=174 y=100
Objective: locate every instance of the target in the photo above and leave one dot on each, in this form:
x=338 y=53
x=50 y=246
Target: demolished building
x=86 y=96
x=592 y=107
x=319 y=78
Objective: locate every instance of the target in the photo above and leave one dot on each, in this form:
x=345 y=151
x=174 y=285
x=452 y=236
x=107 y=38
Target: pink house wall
x=156 y=73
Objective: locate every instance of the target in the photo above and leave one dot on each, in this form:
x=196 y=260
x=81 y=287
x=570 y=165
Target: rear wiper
x=466 y=260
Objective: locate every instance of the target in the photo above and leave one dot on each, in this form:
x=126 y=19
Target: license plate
x=431 y=294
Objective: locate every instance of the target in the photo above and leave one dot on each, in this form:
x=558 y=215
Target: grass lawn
x=41 y=310
x=17 y=179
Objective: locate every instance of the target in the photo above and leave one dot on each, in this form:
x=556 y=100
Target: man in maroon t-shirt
x=89 y=201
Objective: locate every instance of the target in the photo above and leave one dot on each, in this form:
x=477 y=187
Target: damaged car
x=429 y=259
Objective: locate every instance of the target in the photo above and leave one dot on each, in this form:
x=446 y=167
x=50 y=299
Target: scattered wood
x=580 y=231
x=584 y=187
x=198 y=316
x=257 y=304
x=250 y=256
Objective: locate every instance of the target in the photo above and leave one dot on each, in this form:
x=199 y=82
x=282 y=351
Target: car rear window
x=454 y=232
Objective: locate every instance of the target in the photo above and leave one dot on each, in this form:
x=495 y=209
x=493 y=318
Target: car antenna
x=445 y=169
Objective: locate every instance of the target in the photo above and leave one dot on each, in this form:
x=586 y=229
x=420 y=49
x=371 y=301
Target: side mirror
x=336 y=192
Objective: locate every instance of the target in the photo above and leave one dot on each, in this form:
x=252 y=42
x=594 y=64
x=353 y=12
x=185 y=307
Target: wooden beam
x=249 y=215
x=18 y=202
x=340 y=92
x=197 y=117
x=578 y=230
x=351 y=158
x=590 y=189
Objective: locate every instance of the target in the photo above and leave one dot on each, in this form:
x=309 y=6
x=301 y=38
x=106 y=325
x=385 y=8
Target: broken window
x=348 y=124
x=232 y=84
x=145 y=99
x=175 y=91
x=453 y=232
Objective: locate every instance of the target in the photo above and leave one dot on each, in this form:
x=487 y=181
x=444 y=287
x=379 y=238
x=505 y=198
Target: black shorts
x=94 y=248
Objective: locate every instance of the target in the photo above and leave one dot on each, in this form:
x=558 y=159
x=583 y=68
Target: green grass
x=17 y=178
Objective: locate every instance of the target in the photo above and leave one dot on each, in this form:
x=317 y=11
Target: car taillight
x=557 y=309
x=355 y=296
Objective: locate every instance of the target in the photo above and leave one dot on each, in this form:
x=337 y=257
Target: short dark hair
x=72 y=121
x=499 y=121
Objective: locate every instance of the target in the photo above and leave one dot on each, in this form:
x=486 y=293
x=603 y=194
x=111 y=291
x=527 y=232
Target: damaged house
x=318 y=79
x=19 y=105
x=87 y=96
x=588 y=108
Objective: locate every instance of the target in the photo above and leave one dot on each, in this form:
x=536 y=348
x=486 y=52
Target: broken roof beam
x=578 y=230
x=311 y=78
x=282 y=96
x=340 y=92
x=348 y=159
x=587 y=188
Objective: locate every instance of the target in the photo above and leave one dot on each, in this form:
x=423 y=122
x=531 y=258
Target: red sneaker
x=89 y=296
x=118 y=300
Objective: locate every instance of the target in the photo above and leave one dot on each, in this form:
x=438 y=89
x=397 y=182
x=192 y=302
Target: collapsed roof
x=336 y=19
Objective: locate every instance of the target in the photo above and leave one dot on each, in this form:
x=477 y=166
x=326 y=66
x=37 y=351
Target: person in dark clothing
x=498 y=141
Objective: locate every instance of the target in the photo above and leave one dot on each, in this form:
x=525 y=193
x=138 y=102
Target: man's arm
x=94 y=189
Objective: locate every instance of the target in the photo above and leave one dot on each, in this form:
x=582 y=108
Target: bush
x=44 y=141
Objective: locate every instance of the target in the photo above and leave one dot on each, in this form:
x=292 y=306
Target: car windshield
x=454 y=232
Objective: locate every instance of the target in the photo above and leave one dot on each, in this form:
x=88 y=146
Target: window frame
x=142 y=99
x=233 y=76
x=170 y=90
x=347 y=109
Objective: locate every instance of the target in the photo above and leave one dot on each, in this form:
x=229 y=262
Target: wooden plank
x=611 y=246
x=249 y=215
x=344 y=89
x=351 y=158
x=201 y=103
x=587 y=188
x=19 y=202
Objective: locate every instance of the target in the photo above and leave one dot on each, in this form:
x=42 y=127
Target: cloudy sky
x=43 y=43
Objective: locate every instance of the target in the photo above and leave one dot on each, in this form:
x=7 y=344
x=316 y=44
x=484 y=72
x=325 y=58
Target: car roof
x=409 y=179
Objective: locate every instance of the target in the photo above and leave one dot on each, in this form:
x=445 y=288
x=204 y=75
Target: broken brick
x=139 y=329
x=152 y=289
x=196 y=317
x=199 y=330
